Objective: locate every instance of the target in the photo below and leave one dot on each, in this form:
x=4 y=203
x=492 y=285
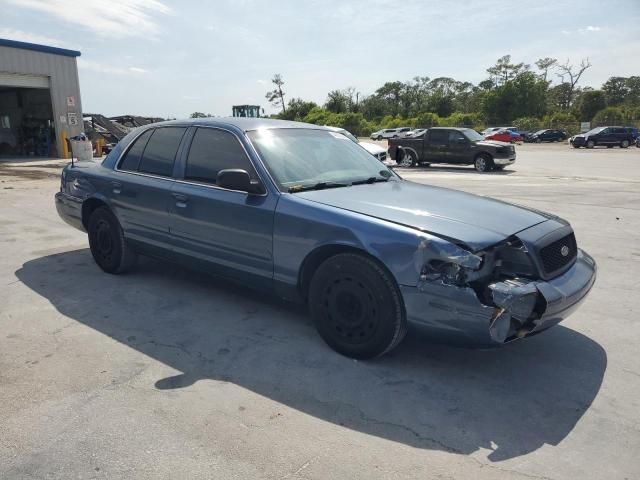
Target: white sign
x=71 y=101
x=73 y=118
x=63 y=119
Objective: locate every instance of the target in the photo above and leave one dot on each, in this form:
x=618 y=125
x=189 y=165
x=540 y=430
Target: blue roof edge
x=38 y=48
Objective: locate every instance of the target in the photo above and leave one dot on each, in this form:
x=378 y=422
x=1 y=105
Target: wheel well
x=318 y=256
x=483 y=153
x=88 y=207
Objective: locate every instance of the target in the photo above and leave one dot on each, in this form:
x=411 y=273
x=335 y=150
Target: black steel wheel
x=107 y=243
x=356 y=306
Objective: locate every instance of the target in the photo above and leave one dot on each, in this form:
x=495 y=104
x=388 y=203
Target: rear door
x=230 y=229
x=436 y=146
x=141 y=185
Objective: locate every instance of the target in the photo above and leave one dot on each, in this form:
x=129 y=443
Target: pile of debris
x=113 y=129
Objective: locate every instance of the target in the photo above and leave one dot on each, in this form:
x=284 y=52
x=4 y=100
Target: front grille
x=552 y=256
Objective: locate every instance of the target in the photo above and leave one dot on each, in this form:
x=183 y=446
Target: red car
x=505 y=136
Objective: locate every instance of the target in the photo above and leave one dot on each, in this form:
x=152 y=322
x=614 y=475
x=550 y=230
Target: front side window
x=300 y=157
x=161 y=150
x=131 y=160
x=472 y=135
x=213 y=150
x=456 y=137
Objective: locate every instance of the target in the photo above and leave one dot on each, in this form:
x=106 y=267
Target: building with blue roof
x=40 y=103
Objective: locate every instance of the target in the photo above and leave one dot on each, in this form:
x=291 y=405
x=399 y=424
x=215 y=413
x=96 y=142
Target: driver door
x=229 y=229
x=458 y=147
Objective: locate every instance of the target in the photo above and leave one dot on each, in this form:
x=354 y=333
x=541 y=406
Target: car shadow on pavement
x=508 y=401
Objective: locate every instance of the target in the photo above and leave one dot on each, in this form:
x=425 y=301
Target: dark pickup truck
x=459 y=146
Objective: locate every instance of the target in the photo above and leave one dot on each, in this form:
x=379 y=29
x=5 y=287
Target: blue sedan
x=311 y=216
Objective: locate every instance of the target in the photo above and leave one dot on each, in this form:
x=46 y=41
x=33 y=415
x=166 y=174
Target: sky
x=168 y=58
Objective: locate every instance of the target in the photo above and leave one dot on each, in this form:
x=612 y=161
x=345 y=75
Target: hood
x=477 y=222
x=372 y=148
x=492 y=143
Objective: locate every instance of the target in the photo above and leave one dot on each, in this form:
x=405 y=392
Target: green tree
x=570 y=76
x=504 y=70
x=589 y=104
x=544 y=65
x=276 y=96
x=297 y=109
x=337 y=102
x=615 y=90
x=609 y=116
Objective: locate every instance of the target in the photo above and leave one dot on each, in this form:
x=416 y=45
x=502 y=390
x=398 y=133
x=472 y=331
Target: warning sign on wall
x=73 y=118
x=71 y=101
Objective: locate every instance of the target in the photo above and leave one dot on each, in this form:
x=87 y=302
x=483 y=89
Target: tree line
x=547 y=95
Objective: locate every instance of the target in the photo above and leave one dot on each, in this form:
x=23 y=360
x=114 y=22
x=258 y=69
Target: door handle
x=181 y=200
x=117 y=186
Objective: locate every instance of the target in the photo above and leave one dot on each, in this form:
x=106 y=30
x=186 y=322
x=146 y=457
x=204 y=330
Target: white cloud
x=108 y=69
x=113 y=18
x=593 y=29
x=29 y=37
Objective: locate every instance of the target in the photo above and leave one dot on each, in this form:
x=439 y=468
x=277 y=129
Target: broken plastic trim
x=515 y=301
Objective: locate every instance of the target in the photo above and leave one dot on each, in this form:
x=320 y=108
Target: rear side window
x=132 y=158
x=439 y=137
x=213 y=150
x=161 y=150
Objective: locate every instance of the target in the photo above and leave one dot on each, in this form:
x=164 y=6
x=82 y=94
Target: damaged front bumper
x=520 y=307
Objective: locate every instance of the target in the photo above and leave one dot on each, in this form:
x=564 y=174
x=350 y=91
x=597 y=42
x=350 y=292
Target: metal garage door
x=27 y=81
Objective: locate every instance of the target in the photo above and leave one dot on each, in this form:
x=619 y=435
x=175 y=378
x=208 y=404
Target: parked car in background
x=606 y=136
x=376 y=150
x=390 y=133
x=460 y=146
x=416 y=133
x=546 y=135
x=504 y=135
x=294 y=209
x=633 y=131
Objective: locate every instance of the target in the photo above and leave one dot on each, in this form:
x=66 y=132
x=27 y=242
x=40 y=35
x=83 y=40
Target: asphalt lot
x=164 y=373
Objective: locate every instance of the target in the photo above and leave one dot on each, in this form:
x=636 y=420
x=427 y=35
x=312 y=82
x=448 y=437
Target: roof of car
x=242 y=123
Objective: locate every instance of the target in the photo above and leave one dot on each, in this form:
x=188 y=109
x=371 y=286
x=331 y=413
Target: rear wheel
x=483 y=163
x=408 y=159
x=356 y=306
x=106 y=241
x=624 y=144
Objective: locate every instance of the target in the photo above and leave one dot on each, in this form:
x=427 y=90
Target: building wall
x=63 y=82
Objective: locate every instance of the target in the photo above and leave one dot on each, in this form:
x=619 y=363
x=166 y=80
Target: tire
x=108 y=246
x=591 y=144
x=624 y=144
x=538 y=140
x=575 y=146
x=379 y=137
x=356 y=306
x=483 y=163
x=408 y=159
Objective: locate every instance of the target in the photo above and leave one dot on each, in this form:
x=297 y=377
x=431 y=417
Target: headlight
x=450 y=264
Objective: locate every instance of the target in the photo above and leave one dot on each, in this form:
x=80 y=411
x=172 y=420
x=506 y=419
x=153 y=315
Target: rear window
x=439 y=137
x=161 y=150
x=131 y=160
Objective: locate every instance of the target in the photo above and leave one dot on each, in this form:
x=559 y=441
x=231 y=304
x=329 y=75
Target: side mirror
x=238 y=179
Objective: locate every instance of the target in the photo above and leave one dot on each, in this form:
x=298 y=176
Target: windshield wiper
x=317 y=186
x=370 y=180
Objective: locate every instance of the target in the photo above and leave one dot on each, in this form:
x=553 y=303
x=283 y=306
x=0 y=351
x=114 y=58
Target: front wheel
x=379 y=137
x=483 y=163
x=591 y=144
x=106 y=241
x=356 y=306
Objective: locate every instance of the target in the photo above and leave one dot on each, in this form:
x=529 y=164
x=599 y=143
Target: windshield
x=472 y=135
x=539 y=132
x=306 y=157
x=595 y=130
